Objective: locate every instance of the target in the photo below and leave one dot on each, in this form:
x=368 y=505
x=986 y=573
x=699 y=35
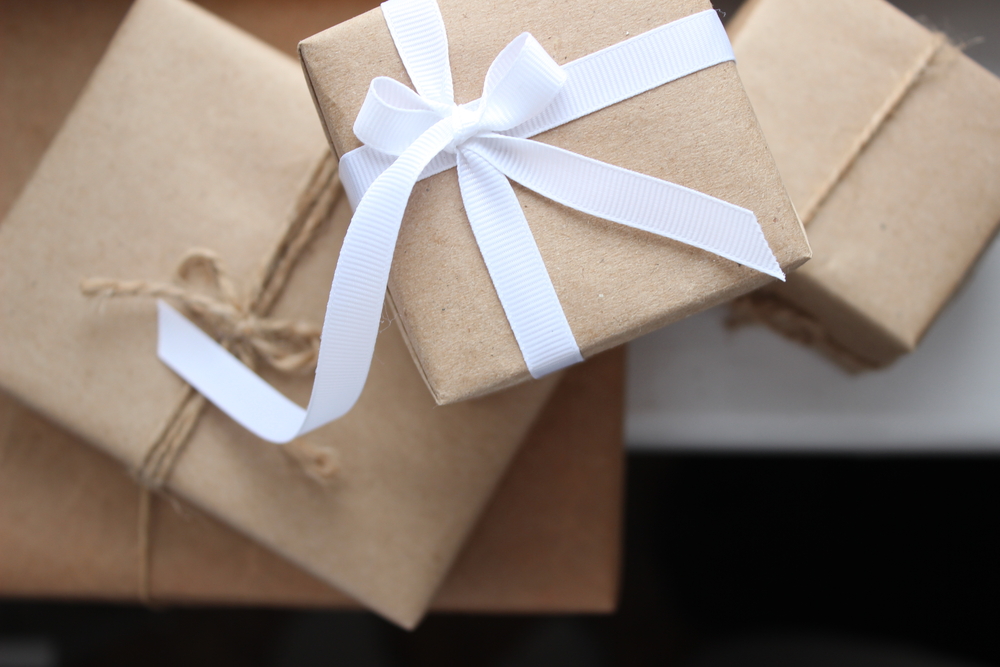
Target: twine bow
x=240 y=322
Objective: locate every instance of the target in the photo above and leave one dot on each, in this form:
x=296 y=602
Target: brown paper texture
x=900 y=231
x=548 y=541
x=47 y=52
x=49 y=48
x=614 y=283
x=193 y=134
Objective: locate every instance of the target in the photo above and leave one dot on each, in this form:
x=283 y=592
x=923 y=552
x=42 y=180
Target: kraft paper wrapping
x=614 y=283
x=899 y=232
x=49 y=49
x=191 y=133
x=549 y=541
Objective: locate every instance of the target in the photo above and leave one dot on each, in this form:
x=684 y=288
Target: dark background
x=898 y=554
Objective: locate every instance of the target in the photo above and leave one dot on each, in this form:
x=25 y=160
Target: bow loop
x=393 y=116
x=418 y=32
x=520 y=83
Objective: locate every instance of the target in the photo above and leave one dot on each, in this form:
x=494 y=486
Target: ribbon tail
x=350 y=326
x=633 y=199
x=516 y=267
x=215 y=373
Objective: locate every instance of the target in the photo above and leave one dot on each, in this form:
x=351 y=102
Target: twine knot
x=241 y=324
x=242 y=327
x=285 y=345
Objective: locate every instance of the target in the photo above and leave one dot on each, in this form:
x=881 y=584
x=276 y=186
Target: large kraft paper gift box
x=886 y=137
x=549 y=540
x=614 y=283
x=193 y=134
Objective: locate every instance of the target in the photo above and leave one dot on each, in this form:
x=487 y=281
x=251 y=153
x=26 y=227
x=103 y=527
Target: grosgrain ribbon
x=411 y=135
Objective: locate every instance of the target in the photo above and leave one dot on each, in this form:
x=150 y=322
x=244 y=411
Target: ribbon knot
x=465 y=124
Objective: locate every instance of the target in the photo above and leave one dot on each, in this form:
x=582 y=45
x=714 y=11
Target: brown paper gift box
x=614 y=283
x=548 y=541
x=895 y=229
x=191 y=133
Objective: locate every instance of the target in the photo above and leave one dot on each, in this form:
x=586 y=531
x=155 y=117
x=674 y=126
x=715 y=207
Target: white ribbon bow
x=411 y=135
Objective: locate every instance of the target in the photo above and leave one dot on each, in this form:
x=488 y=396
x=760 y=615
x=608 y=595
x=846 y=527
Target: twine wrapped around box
x=886 y=136
x=906 y=83
x=795 y=323
x=242 y=326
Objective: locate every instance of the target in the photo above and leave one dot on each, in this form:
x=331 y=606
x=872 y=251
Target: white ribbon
x=411 y=135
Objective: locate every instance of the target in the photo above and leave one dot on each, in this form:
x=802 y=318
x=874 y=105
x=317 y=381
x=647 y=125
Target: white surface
x=697 y=386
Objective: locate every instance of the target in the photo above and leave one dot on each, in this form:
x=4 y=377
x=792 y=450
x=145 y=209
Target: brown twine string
x=899 y=93
x=241 y=325
x=787 y=320
x=794 y=324
x=285 y=345
x=145 y=553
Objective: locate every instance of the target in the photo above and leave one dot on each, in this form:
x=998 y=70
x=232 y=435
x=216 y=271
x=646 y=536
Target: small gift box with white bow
x=887 y=137
x=573 y=175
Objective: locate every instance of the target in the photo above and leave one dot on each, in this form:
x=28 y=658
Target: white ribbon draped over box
x=410 y=135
